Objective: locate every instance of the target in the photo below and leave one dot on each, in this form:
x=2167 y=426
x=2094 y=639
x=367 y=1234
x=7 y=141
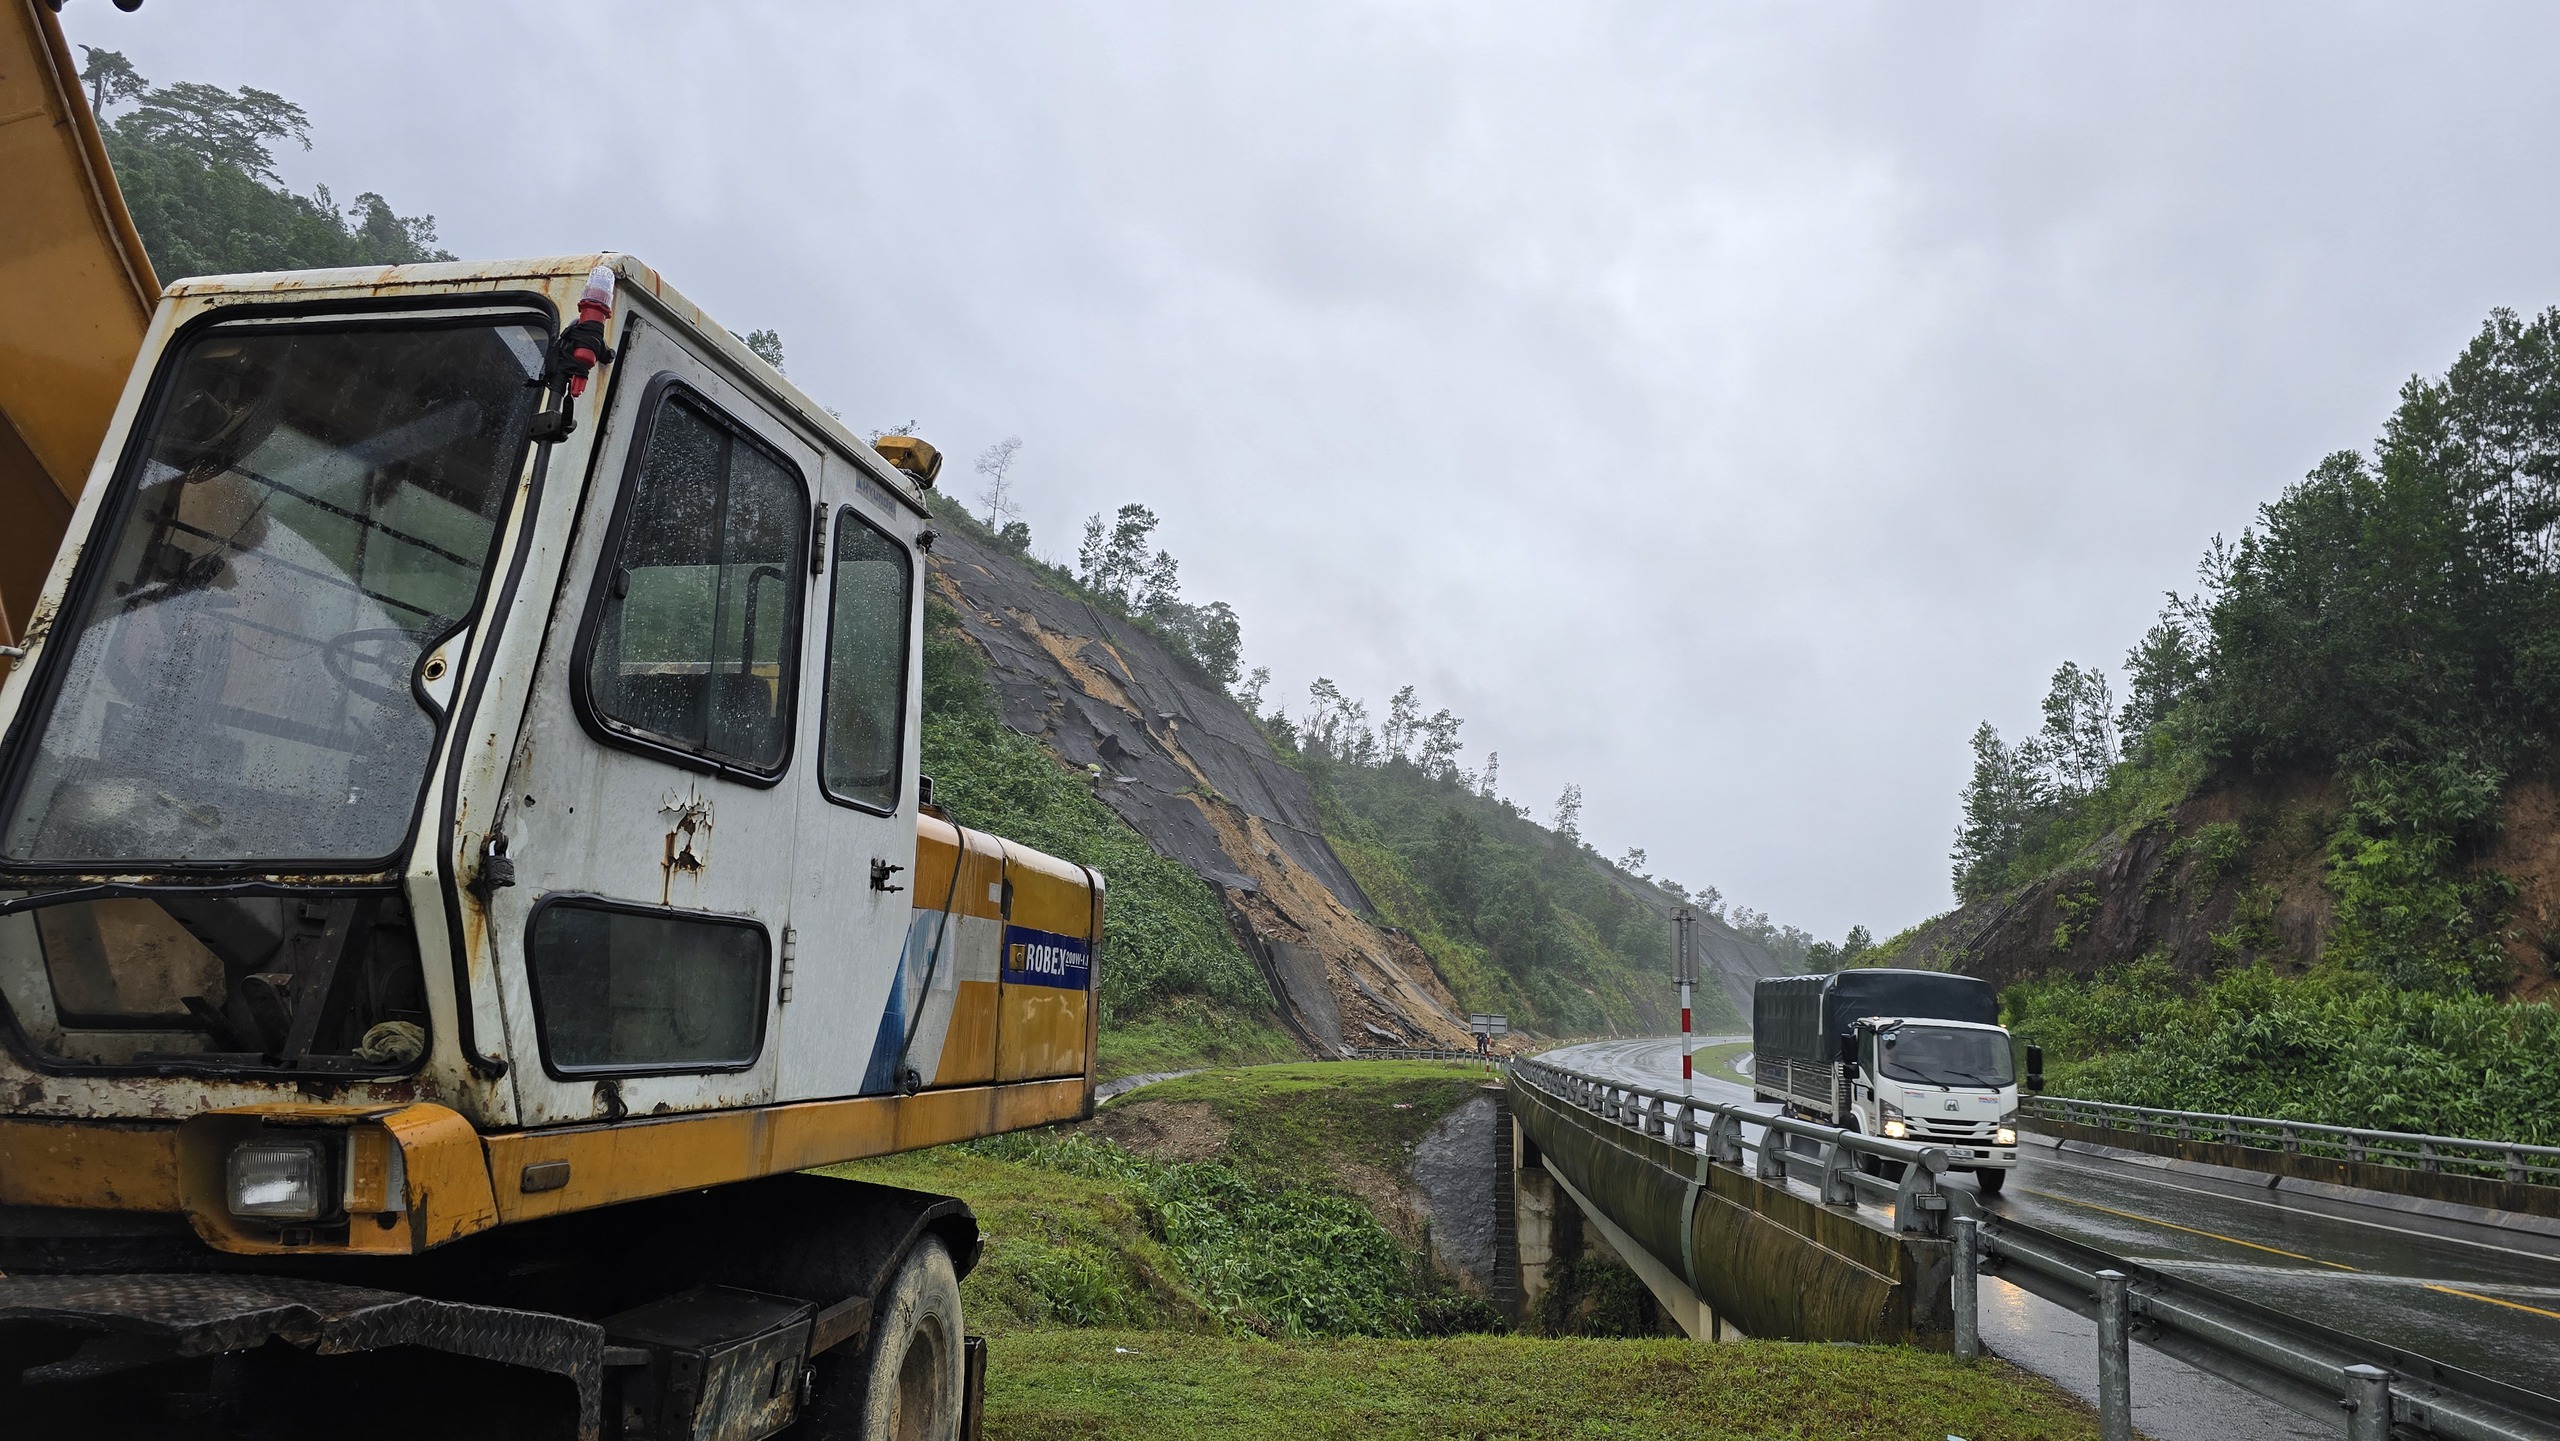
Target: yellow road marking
x=2494 y=1301
x=2296 y=1255
x=2192 y=1231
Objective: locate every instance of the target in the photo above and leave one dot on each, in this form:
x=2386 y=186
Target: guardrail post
x=2427 y=1156
x=1684 y=1132
x=2115 y=1359
x=1724 y=1140
x=2368 y=1404
x=1773 y=1155
x=2515 y=1167
x=1965 y=1290
x=1837 y=1188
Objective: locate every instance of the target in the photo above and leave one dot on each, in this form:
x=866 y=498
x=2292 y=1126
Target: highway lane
x=2472 y=1297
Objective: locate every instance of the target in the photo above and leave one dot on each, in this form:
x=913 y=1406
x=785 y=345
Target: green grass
x=1153 y=1386
x=1144 y=1300
x=1717 y=1061
x=1265 y=1239
x=1061 y=1250
x=1185 y=1032
x=1293 y=1123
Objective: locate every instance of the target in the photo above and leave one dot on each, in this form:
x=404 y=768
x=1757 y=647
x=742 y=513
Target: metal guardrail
x=1416 y=1053
x=1918 y=1203
x=2511 y=1161
x=2377 y=1390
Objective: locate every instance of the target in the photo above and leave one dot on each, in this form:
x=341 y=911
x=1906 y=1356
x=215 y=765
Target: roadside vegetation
x=2334 y=1045
x=1230 y=1272
x=1160 y=1387
x=2389 y=631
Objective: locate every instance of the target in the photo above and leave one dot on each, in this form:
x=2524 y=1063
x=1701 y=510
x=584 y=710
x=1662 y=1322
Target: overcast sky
x=1724 y=407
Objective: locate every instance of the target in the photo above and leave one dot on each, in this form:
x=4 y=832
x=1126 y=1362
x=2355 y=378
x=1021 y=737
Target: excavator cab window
x=310 y=514
x=860 y=746
x=625 y=989
x=696 y=641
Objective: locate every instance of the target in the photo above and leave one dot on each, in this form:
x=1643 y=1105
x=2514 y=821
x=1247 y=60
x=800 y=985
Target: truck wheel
x=1990 y=1182
x=903 y=1384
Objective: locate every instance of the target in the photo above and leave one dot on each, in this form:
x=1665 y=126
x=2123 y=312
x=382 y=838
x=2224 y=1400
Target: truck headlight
x=1894 y=1129
x=277 y=1180
x=2005 y=1136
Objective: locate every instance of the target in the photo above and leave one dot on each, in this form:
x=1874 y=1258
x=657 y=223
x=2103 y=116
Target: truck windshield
x=314 y=506
x=1944 y=1056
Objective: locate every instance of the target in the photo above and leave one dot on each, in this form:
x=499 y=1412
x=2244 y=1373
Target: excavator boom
x=76 y=291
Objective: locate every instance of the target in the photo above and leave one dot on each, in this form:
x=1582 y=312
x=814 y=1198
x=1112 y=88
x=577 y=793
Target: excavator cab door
x=652 y=809
x=865 y=916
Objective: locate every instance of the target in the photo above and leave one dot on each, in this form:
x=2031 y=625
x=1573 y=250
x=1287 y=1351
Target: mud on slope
x=1188 y=769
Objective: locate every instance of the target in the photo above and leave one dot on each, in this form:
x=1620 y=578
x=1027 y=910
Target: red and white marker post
x=1684 y=949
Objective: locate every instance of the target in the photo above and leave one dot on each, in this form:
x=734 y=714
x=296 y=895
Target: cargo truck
x=463 y=859
x=1910 y=1055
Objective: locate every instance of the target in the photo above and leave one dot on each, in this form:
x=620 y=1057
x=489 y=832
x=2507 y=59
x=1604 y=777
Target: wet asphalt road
x=2474 y=1297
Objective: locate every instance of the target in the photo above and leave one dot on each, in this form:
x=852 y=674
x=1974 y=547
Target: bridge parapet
x=1669 y=1175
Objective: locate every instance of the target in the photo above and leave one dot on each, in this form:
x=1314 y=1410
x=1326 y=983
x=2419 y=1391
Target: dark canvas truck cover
x=1801 y=1018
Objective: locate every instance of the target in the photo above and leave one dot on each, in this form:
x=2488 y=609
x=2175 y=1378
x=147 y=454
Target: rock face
x=1188 y=769
x=2159 y=892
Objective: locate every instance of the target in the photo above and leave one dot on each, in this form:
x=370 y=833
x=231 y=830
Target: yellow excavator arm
x=76 y=292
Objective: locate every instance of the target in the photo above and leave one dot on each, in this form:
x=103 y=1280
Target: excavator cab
x=442 y=798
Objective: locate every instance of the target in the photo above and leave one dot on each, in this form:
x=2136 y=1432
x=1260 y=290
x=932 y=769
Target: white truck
x=1912 y=1055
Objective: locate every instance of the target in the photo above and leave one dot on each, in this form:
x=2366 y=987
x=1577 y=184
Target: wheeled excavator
x=463 y=865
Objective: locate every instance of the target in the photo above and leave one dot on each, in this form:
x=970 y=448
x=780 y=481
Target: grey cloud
x=1724 y=407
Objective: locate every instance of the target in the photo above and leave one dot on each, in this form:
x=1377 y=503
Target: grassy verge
x=1270 y=1232
x=1061 y=1250
x=1161 y=1387
x=1297 y=1123
x=1717 y=1061
x=1185 y=1033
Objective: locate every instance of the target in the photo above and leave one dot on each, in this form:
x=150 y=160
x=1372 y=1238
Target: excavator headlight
x=277 y=1180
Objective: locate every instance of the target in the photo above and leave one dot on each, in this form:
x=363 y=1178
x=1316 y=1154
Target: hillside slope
x=2311 y=867
x=1167 y=750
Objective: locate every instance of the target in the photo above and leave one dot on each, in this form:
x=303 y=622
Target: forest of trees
x=197 y=167
x=2392 y=620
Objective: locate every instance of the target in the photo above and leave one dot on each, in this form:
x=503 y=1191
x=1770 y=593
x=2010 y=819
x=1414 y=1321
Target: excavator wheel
x=904 y=1383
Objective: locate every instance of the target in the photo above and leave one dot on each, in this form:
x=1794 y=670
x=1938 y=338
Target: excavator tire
x=904 y=1382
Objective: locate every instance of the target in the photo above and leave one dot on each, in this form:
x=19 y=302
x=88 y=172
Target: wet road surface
x=2470 y=1296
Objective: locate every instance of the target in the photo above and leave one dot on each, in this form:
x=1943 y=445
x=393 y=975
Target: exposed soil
x=1166 y=1130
